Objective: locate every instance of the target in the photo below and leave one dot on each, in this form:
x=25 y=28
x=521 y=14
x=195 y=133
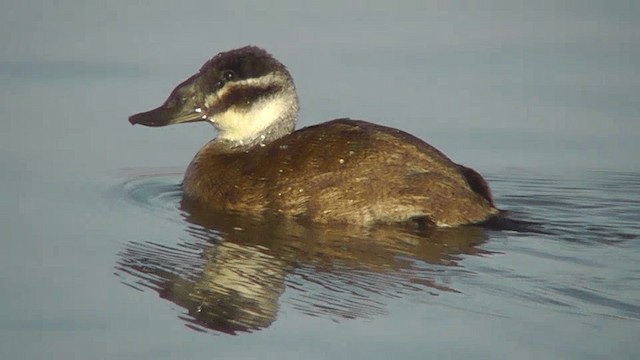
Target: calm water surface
x=99 y=261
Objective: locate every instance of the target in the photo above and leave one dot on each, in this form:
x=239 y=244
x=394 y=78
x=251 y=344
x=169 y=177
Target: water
x=97 y=259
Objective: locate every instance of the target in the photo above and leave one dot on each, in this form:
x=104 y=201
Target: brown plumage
x=341 y=171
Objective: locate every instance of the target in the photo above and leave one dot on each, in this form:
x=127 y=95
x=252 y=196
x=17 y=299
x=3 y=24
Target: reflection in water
x=225 y=287
x=230 y=271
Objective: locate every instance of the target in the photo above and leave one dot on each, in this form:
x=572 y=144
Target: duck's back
x=341 y=171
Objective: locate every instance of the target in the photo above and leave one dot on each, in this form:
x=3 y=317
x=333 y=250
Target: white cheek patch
x=245 y=122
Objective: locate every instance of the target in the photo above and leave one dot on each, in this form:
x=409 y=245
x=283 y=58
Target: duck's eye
x=225 y=77
x=228 y=75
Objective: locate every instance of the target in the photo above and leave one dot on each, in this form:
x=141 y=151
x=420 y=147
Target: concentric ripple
x=155 y=190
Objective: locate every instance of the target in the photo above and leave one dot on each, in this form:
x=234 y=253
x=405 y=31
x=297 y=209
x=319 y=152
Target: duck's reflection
x=230 y=271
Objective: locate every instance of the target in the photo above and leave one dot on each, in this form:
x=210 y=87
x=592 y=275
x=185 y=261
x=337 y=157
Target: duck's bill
x=183 y=105
x=163 y=116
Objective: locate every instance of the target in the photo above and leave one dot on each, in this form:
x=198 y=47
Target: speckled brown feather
x=345 y=171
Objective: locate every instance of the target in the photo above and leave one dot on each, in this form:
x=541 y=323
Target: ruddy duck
x=340 y=171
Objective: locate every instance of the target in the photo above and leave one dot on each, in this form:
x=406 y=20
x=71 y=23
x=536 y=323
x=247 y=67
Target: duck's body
x=341 y=171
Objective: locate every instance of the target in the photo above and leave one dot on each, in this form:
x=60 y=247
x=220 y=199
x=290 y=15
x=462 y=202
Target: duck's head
x=245 y=93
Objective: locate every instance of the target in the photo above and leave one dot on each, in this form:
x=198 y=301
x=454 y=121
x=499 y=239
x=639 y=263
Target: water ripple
x=157 y=191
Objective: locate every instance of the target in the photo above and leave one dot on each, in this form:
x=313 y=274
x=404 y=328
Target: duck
x=342 y=171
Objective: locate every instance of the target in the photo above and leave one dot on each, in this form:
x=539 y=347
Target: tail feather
x=477 y=183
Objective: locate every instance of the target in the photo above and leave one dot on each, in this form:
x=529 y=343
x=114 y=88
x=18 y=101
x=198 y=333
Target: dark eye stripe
x=244 y=95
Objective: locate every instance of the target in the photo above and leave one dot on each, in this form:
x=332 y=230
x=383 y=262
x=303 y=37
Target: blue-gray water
x=98 y=261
